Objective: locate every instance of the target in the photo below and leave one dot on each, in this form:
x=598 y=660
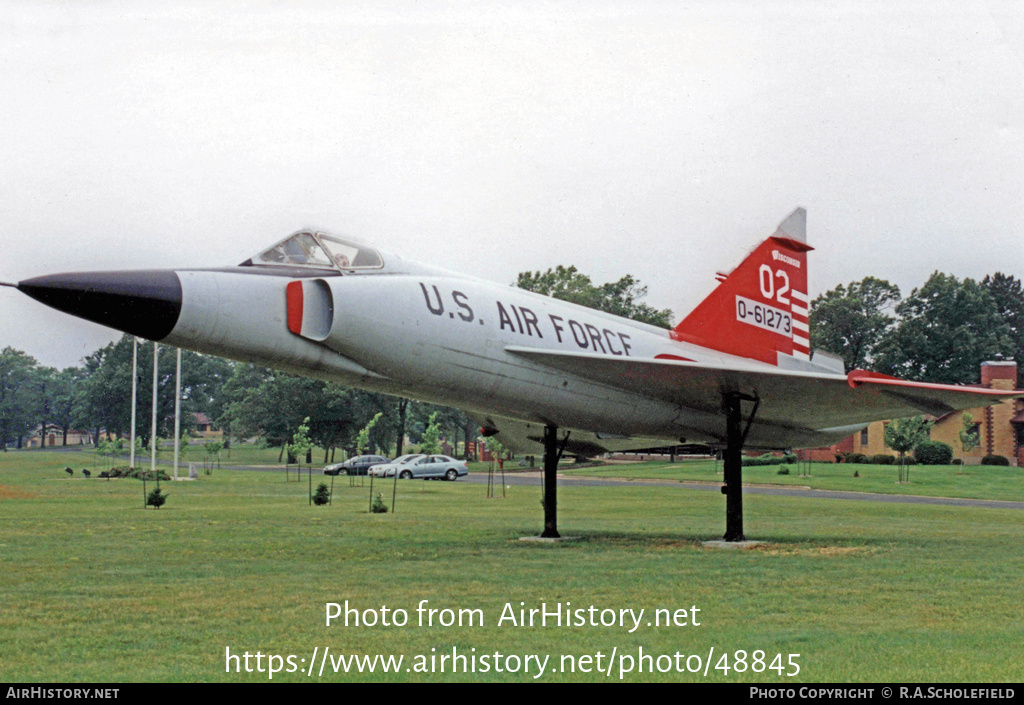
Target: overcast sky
x=624 y=137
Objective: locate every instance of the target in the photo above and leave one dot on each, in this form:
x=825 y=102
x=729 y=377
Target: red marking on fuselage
x=293 y=295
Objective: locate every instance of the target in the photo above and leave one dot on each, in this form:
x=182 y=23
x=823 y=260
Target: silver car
x=431 y=467
x=388 y=469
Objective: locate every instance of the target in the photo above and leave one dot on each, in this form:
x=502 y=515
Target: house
x=53 y=435
x=205 y=428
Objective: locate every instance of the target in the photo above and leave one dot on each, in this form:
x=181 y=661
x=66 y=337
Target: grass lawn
x=96 y=588
x=967 y=481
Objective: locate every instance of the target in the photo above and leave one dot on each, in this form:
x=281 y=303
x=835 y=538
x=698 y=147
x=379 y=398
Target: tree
x=301 y=443
x=363 y=439
x=457 y=421
x=331 y=421
x=495 y=447
x=431 y=442
x=156 y=499
x=244 y=379
x=946 y=329
x=103 y=394
x=322 y=495
x=263 y=402
x=850 y=321
x=18 y=396
x=213 y=449
x=400 y=419
x=204 y=378
x=903 y=435
x=970 y=434
x=1008 y=294
x=619 y=298
x=62 y=404
x=271 y=404
x=90 y=405
x=110 y=449
x=44 y=383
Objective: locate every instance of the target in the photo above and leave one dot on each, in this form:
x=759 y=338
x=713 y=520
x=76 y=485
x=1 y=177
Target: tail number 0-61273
x=763 y=316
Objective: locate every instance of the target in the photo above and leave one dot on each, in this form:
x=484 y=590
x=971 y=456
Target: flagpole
x=152 y=436
x=177 y=411
x=135 y=384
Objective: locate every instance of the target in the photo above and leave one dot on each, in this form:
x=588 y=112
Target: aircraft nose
x=145 y=303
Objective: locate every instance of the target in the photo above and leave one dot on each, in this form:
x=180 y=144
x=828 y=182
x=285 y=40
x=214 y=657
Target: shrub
x=933 y=453
x=156 y=498
x=322 y=495
x=146 y=475
x=378 y=506
x=768 y=459
x=995 y=460
x=789 y=458
x=856 y=458
x=883 y=459
x=784 y=470
x=909 y=460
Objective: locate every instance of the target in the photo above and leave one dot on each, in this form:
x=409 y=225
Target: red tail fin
x=760 y=309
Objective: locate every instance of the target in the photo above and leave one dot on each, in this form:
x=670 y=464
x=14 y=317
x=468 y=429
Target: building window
x=864 y=437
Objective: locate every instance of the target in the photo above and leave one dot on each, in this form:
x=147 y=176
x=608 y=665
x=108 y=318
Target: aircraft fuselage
x=436 y=338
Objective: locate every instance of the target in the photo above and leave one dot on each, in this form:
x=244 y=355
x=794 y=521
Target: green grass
x=95 y=588
x=966 y=481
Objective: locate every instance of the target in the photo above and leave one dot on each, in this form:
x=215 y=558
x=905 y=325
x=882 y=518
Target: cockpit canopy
x=320 y=250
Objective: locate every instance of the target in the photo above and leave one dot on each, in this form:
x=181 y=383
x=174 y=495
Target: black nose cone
x=143 y=303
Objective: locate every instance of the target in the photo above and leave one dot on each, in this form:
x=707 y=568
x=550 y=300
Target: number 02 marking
x=767 y=280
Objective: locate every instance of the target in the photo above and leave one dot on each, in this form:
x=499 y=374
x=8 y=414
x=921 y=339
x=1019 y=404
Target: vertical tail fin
x=759 y=310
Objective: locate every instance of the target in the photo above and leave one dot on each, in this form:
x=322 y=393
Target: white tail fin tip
x=794 y=227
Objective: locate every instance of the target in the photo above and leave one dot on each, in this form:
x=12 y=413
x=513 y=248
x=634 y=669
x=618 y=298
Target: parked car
x=388 y=469
x=429 y=467
x=356 y=466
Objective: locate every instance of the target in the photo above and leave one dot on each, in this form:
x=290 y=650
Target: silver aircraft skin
x=327 y=307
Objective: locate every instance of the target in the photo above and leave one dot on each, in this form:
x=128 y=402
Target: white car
x=426 y=466
x=388 y=469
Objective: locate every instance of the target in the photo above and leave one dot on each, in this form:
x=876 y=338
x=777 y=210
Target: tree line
x=941 y=332
x=243 y=400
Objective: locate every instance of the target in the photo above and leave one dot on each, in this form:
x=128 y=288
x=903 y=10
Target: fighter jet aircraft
x=541 y=372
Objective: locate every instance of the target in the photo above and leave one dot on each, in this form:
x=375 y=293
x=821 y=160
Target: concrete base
x=720 y=543
x=545 y=539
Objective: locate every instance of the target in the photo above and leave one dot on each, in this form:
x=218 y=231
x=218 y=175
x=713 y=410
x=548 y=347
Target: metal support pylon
x=552 y=453
x=735 y=436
